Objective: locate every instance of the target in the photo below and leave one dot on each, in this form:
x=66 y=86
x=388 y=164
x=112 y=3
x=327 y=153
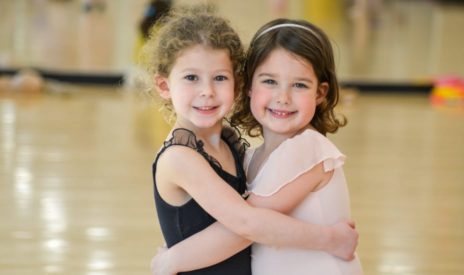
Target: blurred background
x=78 y=135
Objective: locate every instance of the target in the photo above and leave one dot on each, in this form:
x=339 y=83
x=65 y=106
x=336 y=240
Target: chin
x=204 y=124
x=284 y=131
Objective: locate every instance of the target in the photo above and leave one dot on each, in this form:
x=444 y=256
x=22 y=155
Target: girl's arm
x=217 y=244
x=208 y=247
x=339 y=240
x=183 y=167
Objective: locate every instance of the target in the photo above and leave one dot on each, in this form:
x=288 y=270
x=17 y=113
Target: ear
x=322 y=91
x=162 y=85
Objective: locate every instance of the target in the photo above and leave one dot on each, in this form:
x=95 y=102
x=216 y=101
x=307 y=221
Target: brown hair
x=308 y=42
x=187 y=26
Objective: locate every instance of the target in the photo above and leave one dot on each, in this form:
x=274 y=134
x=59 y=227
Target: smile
x=206 y=110
x=280 y=113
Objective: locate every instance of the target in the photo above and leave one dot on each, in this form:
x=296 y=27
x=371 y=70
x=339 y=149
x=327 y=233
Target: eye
x=221 y=78
x=300 y=85
x=191 y=77
x=269 y=81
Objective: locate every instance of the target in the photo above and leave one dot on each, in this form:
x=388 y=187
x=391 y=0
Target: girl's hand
x=344 y=240
x=159 y=264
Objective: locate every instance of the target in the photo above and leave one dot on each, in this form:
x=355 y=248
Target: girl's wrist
x=169 y=262
x=163 y=263
x=327 y=239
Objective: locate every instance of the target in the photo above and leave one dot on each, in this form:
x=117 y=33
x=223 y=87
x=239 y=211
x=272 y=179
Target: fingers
x=156 y=263
x=152 y=264
x=347 y=257
x=351 y=223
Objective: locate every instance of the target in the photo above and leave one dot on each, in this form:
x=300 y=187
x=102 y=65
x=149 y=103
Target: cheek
x=308 y=106
x=262 y=95
x=176 y=103
x=176 y=97
x=257 y=101
x=229 y=97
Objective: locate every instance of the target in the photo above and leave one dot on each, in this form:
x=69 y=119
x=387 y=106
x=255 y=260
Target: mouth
x=281 y=113
x=205 y=109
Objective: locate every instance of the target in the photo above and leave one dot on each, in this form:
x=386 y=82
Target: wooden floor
x=76 y=188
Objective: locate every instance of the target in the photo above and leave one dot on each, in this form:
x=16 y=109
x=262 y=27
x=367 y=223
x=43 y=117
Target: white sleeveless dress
x=325 y=206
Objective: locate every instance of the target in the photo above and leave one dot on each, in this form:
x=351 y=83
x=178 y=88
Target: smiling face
x=200 y=86
x=284 y=93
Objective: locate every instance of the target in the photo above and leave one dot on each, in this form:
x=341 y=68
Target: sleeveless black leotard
x=179 y=222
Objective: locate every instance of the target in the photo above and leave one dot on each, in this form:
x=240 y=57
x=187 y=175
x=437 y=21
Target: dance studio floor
x=75 y=160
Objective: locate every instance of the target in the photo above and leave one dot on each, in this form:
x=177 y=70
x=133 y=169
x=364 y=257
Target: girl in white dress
x=289 y=97
x=290 y=94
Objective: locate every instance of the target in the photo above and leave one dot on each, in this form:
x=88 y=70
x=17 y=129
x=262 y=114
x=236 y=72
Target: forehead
x=280 y=60
x=201 y=56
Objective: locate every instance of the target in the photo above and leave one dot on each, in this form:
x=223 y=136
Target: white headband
x=287 y=25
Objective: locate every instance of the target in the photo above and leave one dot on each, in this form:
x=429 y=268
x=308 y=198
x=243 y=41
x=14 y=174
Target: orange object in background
x=448 y=91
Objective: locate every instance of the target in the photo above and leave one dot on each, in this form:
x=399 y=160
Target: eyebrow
x=304 y=79
x=224 y=71
x=194 y=70
x=265 y=74
x=297 y=79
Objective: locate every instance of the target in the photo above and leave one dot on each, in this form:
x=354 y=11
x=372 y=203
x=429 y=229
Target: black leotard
x=180 y=222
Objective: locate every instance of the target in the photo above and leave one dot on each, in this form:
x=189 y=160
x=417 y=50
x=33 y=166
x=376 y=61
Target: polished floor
x=76 y=188
x=75 y=162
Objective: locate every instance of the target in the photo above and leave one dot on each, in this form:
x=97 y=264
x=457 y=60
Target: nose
x=207 y=89
x=283 y=96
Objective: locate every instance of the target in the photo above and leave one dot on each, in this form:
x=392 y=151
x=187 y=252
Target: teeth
x=205 y=108
x=280 y=113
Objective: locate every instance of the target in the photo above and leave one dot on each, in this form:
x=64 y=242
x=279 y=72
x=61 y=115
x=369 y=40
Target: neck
x=272 y=140
x=210 y=136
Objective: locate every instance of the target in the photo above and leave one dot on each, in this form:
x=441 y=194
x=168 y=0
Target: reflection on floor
x=76 y=187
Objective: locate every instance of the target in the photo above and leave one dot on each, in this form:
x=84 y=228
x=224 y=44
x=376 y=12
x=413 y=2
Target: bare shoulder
x=178 y=168
x=175 y=157
x=181 y=164
x=183 y=173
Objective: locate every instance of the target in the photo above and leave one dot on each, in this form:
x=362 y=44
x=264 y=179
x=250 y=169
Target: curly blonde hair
x=311 y=44
x=184 y=27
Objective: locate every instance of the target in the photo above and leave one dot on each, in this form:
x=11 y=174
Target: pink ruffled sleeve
x=294 y=157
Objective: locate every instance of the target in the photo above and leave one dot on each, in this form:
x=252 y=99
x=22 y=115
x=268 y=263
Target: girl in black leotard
x=180 y=222
x=198 y=176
